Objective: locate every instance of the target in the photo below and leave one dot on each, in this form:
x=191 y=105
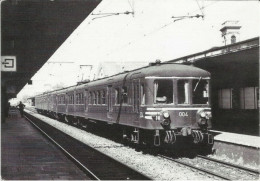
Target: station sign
x=8 y=63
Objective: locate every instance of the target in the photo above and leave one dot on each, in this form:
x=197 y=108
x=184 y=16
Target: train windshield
x=200 y=91
x=163 y=91
x=183 y=91
x=189 y=91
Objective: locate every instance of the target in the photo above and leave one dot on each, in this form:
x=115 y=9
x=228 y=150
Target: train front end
x=180 y=109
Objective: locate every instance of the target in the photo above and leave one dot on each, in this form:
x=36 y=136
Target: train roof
x=174 y=70
x=157 y=70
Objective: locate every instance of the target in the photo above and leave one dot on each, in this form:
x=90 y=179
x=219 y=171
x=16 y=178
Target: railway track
x=230 y=164
x=95 y=164
x=217 y=168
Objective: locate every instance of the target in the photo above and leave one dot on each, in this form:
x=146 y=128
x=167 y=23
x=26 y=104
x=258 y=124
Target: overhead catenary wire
x=145 y=34
x=183 y=17
x=103 y=15
x=160 y=28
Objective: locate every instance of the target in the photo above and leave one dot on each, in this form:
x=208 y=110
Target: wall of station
x=235 y=90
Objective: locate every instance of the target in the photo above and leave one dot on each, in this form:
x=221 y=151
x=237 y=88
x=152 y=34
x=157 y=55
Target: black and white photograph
x=130 y=90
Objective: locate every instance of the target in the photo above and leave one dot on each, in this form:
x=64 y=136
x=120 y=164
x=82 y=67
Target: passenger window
x=81 y=99
x=163 y=91
x=103 y=97
x=77 y=98
x=142 y=94
x=183 y=91
x=117 y=96
x=90 y=98
x=69 y=99
x=94 y=98
x=98 y=97
x=124 y=94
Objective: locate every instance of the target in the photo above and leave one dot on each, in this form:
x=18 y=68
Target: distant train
x=154 y=105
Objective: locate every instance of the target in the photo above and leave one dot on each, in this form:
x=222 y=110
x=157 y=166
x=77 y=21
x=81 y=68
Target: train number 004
x=183 y=114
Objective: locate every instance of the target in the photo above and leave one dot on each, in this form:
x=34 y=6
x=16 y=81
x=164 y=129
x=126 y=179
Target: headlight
x=209 y=115
x=203 y=121
x=166 y=115
x=166 y=122
x=203 y=114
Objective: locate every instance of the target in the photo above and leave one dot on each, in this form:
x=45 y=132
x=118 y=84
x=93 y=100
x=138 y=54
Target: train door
x=74 y=102
x=109 y=102
x=86 y=100
x=66 y=102
x=52 y=104
x=136 y=95
x=55 y=100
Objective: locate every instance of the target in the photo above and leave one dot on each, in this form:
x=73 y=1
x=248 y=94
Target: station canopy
x=32 y=30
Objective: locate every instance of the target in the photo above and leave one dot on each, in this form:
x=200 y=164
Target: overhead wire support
x=103 y=15
x=183 y=17
x=132 y=7
x=201 y=8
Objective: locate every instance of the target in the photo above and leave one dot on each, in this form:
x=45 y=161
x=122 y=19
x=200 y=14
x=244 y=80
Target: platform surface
x=239 y=139
x=28 y=155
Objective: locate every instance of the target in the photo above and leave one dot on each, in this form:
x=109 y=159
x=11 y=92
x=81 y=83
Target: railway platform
x=27 y=155
x=243 y=149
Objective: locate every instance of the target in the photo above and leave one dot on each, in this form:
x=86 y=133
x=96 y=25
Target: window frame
x=221 y=99
x=245 y=96
x=94 y=98
x=188 y=91
x=103 y=97
x=156 y=91
x=125 y=101
x=117 y=95
x=192 y=93
x=143 y=94
x=90 y=98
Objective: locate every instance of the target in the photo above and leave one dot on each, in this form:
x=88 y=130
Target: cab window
x=200 y=91
x=163 y=91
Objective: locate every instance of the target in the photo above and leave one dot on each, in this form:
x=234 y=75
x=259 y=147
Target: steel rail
x=85 y=169
x=229 y=164
x=82 y=166
x=197 y=168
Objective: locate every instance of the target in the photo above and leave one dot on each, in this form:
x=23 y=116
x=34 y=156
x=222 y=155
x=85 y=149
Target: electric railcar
x=153 y=105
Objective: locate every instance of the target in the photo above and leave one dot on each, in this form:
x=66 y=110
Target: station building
x=234 y=68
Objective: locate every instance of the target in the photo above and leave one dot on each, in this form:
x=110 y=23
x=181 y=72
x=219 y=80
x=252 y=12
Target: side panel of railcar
x=61 y=102
x=97 y=108
x=70 y=103
x=122 y=111
x=79 y=102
